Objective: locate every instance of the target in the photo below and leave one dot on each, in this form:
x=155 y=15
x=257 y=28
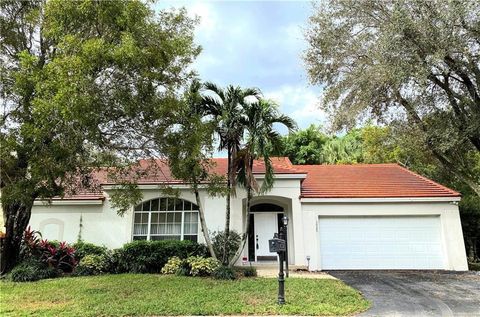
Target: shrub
x=224 y=273
x=249 y=271
x=151 y=256
x=172 y=266
x=474 y=266
x=61 y=257
x=184 y=269
x=92 y=264
x=200 y=266
x=219 y=243
x=83 y=248
x=32 y=270
x=54 y=254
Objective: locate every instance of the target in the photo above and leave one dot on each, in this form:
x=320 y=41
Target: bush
x=474 y=266
x=58 y=255
x=61 y=257
x=172 y=266
x=32 y=270
x=184 y=269
x=249 y=271
x=113 y=259
x=92 y=264
x=83 y=248
x=200 y=266
x=219 y=244
x=224 y=273
x=151 y=256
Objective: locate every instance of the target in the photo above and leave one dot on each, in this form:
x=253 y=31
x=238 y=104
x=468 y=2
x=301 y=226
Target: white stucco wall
x=453 y=244
x=102 y=225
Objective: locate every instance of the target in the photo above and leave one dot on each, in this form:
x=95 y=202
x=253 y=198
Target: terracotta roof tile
x=158 y=172
x=322 y=181
x=368 y=181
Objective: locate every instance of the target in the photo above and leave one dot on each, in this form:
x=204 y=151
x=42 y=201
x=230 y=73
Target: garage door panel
x=380 y=242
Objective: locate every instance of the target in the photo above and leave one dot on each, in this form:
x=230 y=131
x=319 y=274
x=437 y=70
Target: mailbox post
x=278 y=245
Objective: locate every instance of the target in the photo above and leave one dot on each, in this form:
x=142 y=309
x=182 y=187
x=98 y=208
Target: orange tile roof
x=158 y=172
x=322 y=181
x=368 y=181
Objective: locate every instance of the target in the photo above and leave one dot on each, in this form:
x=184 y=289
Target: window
x=166 y=219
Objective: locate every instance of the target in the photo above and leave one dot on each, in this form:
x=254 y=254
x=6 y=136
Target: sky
x=256 y=44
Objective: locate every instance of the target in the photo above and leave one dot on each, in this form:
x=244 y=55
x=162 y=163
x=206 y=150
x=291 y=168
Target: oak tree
x=79 y=78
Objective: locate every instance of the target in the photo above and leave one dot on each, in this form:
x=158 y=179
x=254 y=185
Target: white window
x=166 y=219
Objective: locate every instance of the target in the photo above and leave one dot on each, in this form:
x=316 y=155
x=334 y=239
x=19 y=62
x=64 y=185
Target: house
x=375 y=216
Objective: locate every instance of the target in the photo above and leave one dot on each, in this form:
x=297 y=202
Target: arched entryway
x=265 y=221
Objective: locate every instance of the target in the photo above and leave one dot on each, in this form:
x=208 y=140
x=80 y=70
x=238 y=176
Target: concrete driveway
x=416 y=293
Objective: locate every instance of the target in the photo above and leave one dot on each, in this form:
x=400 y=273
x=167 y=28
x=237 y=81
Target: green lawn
x=149 y=294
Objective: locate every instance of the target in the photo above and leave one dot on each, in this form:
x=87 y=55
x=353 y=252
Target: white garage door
x=380 y=243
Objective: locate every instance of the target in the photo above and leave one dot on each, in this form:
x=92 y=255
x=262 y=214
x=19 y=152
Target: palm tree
x=261 y=141
x=187 y=148
x=227 y=106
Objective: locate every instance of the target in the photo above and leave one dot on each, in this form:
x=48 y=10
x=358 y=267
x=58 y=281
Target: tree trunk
x=17 y=217
x=227 y=209
x=203 y=223
x=246 y=229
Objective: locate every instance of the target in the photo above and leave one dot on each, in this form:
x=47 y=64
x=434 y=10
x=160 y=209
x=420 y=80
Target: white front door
x=265 y=226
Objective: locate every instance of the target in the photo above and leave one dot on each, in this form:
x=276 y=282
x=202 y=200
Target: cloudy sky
x=256 y=44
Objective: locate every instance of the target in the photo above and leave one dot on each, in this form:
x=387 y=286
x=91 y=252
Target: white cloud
x=299 y=102
x=208 y=17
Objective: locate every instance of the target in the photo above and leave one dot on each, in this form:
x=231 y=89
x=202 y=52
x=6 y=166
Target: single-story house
x=362 y=216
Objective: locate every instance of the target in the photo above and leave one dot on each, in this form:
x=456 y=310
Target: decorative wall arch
x=52 y=229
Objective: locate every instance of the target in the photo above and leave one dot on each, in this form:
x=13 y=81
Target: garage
x=380 y=242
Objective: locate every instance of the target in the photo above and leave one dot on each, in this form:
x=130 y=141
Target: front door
x=266 y=224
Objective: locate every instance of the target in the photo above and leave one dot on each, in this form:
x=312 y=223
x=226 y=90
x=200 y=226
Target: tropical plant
x=172 y=266
x=260 y=142
x=58 y=255
x=61 y=257
x=344 y=150
x=200 y=266
x=227 y=106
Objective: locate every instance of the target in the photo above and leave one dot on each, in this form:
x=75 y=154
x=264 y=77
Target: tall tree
x=79 y=78
x=305 y=146
x=404 y=61
x=346 y=149
x=189 y=149
x=261 y=141
x=227 y=105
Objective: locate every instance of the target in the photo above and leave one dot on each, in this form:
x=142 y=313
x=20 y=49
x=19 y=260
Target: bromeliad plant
x=61 y=256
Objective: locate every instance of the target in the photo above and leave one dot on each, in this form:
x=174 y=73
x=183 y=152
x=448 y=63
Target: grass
x=150 y=294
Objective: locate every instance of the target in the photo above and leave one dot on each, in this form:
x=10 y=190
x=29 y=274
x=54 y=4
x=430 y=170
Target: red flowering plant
x=30 y=242
x=61 y=257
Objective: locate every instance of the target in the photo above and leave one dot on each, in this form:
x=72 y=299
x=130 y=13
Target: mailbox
x=277 y=245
